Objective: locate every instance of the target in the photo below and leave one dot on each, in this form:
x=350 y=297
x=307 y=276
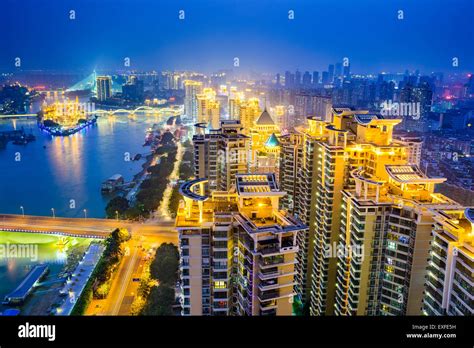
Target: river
x=65 y=173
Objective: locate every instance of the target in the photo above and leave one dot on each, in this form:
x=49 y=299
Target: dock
x=20 y=294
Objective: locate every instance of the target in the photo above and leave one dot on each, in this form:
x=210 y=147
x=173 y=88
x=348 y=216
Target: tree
x=160 y=301
x=117 y=204
x=165 y=265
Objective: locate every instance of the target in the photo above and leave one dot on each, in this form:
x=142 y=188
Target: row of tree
x=151 y=189
x=164 y=268
x=103 y=271
x=111 y=257
x=186 y=172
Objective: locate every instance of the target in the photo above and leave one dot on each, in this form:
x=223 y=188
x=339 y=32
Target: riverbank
x=61 y=255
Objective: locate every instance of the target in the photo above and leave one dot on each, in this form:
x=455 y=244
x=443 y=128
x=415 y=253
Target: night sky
x=257 y=31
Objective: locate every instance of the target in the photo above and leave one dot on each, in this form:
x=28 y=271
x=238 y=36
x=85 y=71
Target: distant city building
x=134 y=89
x=413 y=147
x=104 y=88
x=297 y=78
x=191 y=91
x=220 y=154
x=338 y=70
x=208 y=108
x=330 y=73
x=315 y=78
x=289 y=79
x=249 y=111
x=265 y=146
x=346 y=71
x=325 y=78
x=307 y=79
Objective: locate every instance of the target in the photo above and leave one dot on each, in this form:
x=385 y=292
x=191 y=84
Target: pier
x=20 y=294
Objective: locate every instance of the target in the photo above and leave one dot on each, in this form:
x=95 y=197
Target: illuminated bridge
x=146 y=110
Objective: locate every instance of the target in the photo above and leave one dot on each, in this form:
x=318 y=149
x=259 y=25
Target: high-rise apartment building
x=333 y=173
x=449 y=282
x=104 y=87
x=208 y=108
x=237 y=249
x=219 y=154
x=265 y=146
x=384 y=241
x=248 y=113
x=191 y=91
x=413 y=146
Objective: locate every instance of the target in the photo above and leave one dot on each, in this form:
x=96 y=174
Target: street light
x=52 y=210
x=85 y=213
x=116 y=214
x=22 y=211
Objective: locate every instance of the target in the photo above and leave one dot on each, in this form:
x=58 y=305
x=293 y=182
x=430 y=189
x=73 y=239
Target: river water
x=65 y=173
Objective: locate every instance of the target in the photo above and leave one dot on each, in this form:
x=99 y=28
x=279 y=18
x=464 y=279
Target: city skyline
x=281 y=158
x=263 y=38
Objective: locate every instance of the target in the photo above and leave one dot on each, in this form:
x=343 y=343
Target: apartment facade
x=449 y=286
x=238 y=250
x=219 y=154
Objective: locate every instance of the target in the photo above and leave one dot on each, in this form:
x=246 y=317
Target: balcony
x=266 y=274
x=269 y=295
x=273 y=284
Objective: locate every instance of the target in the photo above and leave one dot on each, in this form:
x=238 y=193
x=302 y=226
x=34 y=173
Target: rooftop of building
x=458 y=224
x=410 y=173
x=272 y=141
x=265 y=119
x=257 y=184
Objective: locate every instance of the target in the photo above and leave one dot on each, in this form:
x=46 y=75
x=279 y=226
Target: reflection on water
x=49 y=249
x=55 y=170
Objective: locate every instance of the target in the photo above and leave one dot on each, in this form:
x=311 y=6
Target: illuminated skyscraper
x=331 y=73
x=307 y=79
x=236 y=99
x=191 y=90
x=330 y=170
x=104 y=87
x=384 y=241
x=248 y=113
x=237 y=249
x=220 y=154
x=265 y=146
x=208 y=108
x=315 y=78
x=449 y=283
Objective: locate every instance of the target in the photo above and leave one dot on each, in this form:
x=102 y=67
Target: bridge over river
x=83 y=227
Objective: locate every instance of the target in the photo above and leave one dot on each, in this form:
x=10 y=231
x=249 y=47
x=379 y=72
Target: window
x=392 y=245
x=220 y=285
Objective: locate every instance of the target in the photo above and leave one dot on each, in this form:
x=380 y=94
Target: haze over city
x=259 y=33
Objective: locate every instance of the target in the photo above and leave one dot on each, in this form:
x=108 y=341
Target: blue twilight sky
x=257 y=31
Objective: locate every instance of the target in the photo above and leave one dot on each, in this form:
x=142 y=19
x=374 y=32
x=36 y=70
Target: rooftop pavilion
x=410 y=174
x=253 y=202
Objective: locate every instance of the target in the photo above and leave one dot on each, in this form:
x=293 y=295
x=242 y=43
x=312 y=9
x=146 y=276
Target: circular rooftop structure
x=187 y=190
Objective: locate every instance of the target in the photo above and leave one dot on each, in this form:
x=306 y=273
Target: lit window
x=220 y=285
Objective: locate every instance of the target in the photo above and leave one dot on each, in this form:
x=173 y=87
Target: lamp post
x=85 y=213
x=22 y=211
x=116 y=215
x=52 y=210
